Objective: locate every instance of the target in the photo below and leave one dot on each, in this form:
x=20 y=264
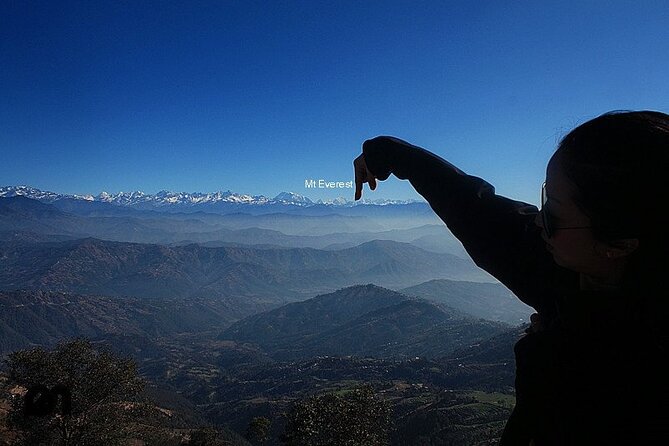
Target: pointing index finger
x=359 y=172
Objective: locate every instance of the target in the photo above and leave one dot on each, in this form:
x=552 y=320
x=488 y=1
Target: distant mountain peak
x=333 y=201
x=292 y=197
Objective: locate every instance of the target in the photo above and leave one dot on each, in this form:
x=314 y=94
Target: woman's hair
x=619 y=163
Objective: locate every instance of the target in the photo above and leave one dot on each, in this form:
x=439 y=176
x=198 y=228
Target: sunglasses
x=548 y=219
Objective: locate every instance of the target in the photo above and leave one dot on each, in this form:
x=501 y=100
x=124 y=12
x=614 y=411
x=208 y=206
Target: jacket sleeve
x=498 y=233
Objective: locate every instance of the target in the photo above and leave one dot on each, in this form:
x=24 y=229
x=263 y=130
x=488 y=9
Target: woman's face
x=576 y=248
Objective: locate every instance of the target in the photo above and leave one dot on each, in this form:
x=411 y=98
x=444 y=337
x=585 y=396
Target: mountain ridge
x=169 y=198
x=360 y=320
x=93 y=266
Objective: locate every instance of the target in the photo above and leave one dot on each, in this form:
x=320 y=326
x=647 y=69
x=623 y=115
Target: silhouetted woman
x=592 y=262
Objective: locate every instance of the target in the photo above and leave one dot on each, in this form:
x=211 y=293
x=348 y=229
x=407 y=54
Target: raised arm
x=498 y=233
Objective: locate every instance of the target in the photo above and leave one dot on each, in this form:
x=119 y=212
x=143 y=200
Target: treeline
x=85 y=394
x=76 y=394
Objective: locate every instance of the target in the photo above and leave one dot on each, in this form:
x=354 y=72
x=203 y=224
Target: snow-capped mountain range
x=167 y=198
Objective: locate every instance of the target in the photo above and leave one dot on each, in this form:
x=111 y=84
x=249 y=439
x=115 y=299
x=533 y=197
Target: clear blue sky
x=256 y=97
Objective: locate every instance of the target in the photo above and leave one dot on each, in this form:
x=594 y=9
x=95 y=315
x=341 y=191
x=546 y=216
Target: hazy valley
x=238 y=315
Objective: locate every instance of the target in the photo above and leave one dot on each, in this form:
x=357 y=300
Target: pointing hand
x=362 y=175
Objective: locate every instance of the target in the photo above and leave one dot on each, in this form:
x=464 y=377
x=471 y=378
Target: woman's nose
x=539 y=221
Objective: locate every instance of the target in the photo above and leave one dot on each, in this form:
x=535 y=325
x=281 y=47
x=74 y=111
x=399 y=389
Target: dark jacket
x=595 y=374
